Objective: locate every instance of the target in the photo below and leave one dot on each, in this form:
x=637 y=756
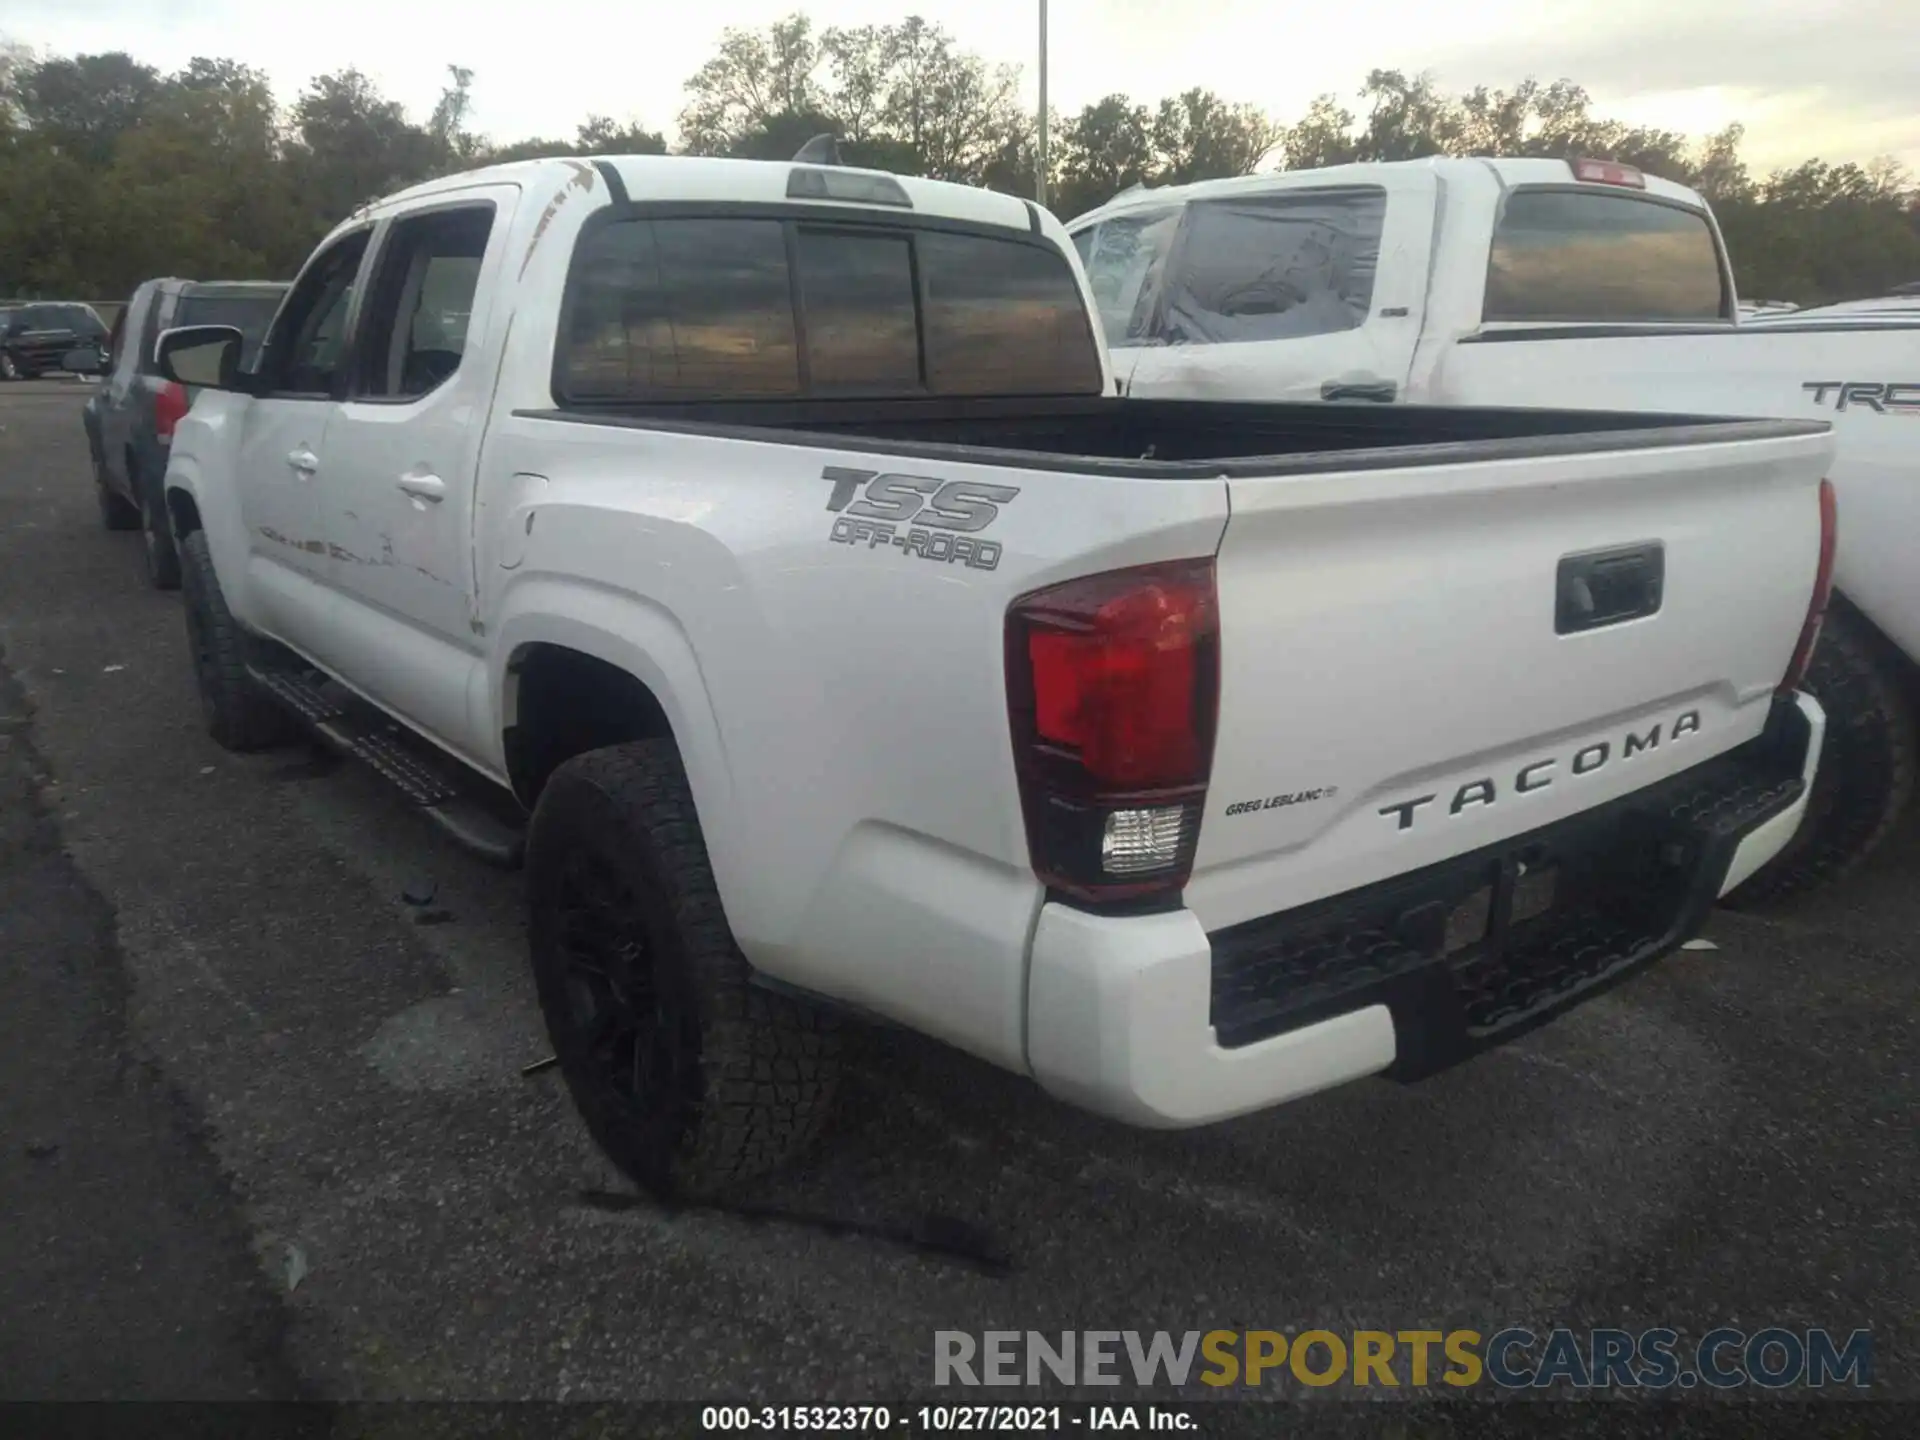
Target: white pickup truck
x=759 y=553
x=1576 y=284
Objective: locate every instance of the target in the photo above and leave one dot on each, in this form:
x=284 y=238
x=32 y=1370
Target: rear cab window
x=781 y=306
x=1569 y=256
x=1278 y=266
x=1282 y=265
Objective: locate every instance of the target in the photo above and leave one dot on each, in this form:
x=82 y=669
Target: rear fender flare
x=648 y=642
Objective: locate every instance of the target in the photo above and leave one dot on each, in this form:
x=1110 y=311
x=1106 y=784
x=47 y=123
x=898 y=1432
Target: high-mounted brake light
x=1822 y=592
x=1608 y=172
x=805 y=183
x=170 y=407
x=1113 y=686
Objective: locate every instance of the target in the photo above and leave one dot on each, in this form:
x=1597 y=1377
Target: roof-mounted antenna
x=820 y=150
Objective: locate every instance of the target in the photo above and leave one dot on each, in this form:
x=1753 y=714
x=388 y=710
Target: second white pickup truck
x=761 y=553
x=1581 y=284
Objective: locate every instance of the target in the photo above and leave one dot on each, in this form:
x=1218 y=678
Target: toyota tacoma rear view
x=761 y=555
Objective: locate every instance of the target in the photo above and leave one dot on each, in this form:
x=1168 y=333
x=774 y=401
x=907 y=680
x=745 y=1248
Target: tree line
x=112 y=171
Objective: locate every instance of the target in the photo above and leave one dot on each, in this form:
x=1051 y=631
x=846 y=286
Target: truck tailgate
x=1417 y=662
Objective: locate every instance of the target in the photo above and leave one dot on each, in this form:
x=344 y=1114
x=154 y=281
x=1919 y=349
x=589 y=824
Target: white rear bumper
x=1771 y=838
x=1118 y=1023
x=1118 y=1015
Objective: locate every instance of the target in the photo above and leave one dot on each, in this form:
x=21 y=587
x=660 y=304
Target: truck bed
x=1371 y=563
x=1144 y=438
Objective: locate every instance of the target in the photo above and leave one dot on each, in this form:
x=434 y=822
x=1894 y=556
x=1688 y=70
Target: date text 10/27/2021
x=944 y=1419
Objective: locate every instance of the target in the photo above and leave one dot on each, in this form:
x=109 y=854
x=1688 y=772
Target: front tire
x=1866 y=776
x=688 y=1077
x=240 y=716
x=159 y=557
x=9 y=367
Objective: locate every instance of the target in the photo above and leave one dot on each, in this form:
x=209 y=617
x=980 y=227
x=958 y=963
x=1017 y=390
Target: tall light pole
x=1040 y=181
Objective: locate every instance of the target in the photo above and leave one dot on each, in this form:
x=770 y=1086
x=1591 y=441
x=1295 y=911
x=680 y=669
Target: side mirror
x=206 y=356
x=83 y=362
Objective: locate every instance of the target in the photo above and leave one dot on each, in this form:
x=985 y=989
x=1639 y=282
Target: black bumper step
x=432 y=781
x=1478 y=949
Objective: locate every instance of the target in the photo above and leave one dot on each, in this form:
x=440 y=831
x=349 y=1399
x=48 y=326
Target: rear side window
x=414 y=323
x=729 y=308
x=1567 y=256
x=1275 y=267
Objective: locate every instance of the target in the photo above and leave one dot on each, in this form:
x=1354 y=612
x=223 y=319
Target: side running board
x=433 y=782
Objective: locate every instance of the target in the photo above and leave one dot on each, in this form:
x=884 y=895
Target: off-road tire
x=115 y=513
x=159 y=557
x=750 y=1074
x=1867 y=761
x=240 y=715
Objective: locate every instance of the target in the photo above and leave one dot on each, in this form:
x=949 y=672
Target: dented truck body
x=1129 y=744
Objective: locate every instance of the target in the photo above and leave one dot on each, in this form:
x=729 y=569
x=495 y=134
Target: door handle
x=424 y=487
x=1383 y=391
x=304 y=462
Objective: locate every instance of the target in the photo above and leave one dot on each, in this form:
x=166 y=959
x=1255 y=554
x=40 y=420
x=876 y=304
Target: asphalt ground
x=264 y=1135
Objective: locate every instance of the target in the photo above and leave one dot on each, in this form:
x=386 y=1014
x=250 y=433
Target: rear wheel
x=1866 y=776
x=158 y=554
x=9 y=367
x=687 y=1076
x=115 y=513
x=239 y=714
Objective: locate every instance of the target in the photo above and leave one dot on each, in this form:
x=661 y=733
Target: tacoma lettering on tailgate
x=1539 y=774
x=917 y=514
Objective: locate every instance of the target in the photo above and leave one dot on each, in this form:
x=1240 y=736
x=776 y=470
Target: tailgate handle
x=1383 y=391
x=1608 y=587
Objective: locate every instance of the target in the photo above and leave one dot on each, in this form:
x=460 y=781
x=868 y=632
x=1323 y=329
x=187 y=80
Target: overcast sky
x=1804 y=84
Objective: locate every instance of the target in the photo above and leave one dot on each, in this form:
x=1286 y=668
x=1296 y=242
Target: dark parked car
x=36 y=336
x=130 y=417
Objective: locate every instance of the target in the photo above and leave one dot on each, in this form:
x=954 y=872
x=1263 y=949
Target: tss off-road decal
x=917 y=514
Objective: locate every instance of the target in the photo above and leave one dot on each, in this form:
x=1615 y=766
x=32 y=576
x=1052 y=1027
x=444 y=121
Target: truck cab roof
x=698 y=178
x=1508 y=173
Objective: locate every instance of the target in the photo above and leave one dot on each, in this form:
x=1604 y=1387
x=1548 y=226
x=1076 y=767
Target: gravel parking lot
x=265 y=1135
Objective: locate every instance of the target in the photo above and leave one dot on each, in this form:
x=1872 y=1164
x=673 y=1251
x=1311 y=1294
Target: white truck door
x=397 y=506
x=281 y=453
x=1298 y=294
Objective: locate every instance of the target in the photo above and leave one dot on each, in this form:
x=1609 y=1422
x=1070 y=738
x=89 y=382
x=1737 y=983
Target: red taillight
x=1822 y=592
x=1113 y=689
x=169 y=408
x=1608 y=172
